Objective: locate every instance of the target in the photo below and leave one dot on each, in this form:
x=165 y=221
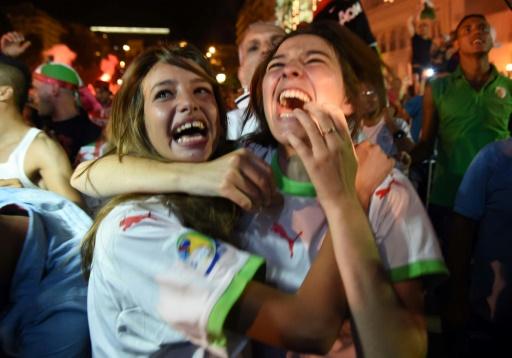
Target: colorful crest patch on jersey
x=199 y=251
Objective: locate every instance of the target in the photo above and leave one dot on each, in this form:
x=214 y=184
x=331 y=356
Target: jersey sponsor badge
x=199 y=251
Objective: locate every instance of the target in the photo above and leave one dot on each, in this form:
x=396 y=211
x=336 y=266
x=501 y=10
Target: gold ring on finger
x=328 y=131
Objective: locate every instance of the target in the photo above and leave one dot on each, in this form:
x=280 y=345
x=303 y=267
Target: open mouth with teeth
x=478 y=41
x=292 y=98
x=190 y=132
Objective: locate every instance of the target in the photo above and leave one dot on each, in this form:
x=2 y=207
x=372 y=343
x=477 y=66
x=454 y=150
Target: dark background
x=200 y=22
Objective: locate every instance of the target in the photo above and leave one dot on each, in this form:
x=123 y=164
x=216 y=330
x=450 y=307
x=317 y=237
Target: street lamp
x=221 y=77
x=508 y=68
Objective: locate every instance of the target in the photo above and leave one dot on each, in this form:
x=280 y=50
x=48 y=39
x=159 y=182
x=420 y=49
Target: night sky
x=200 y=22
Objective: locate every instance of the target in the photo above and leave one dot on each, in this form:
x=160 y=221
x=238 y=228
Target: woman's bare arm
x=239 y=176
x=388 y=318
x=307 y=321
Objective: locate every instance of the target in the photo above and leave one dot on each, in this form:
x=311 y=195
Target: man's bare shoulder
x=44 y=149
x=43 y=142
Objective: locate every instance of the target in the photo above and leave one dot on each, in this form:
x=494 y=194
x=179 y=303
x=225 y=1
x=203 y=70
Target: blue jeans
x=46 y=314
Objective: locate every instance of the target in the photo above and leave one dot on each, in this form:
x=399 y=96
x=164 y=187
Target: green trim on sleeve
x=220 y=311
x=416 y=269
x=289 y=186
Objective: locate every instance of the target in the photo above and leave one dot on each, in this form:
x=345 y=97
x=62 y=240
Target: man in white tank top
x=28 y=157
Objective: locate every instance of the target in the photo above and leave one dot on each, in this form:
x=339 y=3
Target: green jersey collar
x=290 y=186
x=460 y=75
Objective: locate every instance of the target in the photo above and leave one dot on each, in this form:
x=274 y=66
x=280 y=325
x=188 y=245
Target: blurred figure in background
x=28 y=157
x=42 y=291
x=483 y=210
x=381 y=127
x=56 y=97
x=254 y=44
x=463 y=111
x=104 y=97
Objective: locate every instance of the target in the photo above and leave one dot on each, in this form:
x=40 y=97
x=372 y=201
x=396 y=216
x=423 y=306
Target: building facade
x=388 y=21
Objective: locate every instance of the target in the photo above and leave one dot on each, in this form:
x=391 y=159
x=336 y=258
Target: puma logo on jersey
x=281 y=232
x=129 y=221
x=385 y=191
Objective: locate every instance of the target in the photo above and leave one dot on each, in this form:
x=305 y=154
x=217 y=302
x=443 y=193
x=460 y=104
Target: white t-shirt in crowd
x=381 y=135
x=236 y=127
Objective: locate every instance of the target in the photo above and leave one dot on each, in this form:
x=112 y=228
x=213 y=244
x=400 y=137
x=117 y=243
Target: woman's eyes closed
x=309 y=61
x=313 y=60
x=274 y=65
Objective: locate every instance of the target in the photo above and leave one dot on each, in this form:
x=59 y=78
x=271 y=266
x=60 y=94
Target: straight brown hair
x=212 y=216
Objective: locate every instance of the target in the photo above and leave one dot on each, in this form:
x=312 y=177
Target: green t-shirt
x=468 y=120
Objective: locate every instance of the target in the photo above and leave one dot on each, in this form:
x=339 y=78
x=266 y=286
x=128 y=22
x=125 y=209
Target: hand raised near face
x=327 y=152
x=13 y=44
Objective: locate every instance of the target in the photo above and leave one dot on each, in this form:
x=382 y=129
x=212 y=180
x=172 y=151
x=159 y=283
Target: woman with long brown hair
x=310 y=83
x=159 y=277
x=304 y=90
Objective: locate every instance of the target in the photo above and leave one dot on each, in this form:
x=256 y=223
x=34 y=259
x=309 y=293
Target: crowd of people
x=301 y=223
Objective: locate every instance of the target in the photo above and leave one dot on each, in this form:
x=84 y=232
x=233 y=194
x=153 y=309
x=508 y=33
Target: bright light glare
x=183 y=43
x=208 y=54
x=132 y=30
x=105 y=77
x=508 y=67
x=119 y=81
x=429 y=72
x=221 y=77
x=212 y=50
x=126 y=48
x=122 y=64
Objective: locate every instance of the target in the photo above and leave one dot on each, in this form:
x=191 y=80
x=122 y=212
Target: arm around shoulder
x=239 y=176
x=109 y=175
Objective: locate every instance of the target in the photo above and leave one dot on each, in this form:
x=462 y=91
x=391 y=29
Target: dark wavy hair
x=127 y=135
x=358 y=62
